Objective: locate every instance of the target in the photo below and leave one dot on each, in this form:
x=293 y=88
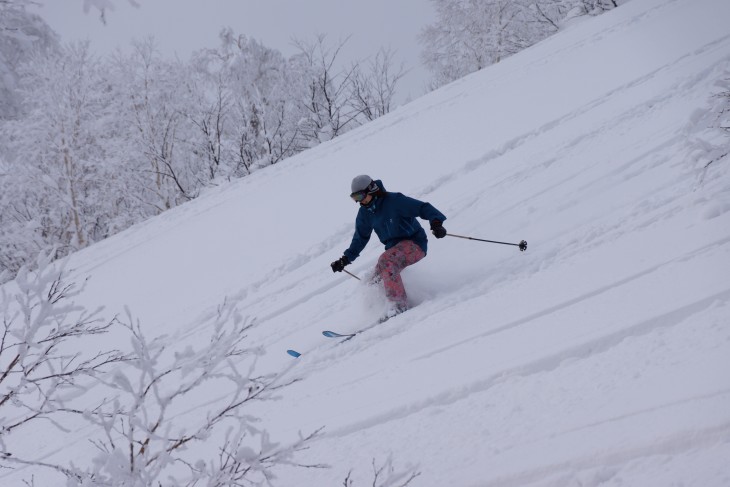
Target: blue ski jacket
x=393 y=217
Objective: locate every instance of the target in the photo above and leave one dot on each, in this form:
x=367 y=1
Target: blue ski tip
x=294 y=353
x=332 y=334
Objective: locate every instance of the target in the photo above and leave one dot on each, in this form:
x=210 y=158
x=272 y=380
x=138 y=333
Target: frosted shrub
x=172 y=417
x=41 y=360
x=709 y=127
x=386 y=475
x=160 y=429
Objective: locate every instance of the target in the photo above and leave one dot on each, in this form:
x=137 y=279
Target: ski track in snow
x=674 y=443
x=572 y=302
x=544 y=364
x=561 y=474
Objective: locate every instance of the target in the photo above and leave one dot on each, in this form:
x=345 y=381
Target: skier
x=393 y=217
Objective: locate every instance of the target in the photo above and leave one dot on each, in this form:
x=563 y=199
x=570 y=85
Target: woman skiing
x=393 y=217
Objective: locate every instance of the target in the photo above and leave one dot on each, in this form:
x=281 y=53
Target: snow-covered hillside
x=601 y=356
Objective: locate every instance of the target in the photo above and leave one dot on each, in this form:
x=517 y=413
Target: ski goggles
x=358 y=196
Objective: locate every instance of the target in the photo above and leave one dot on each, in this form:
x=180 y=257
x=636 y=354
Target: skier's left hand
x=437 y=228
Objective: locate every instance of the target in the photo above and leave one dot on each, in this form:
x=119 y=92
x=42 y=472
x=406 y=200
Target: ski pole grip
x=522 y=245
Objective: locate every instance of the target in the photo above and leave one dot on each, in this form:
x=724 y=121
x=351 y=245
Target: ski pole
x=522 y=245
x=350 y=273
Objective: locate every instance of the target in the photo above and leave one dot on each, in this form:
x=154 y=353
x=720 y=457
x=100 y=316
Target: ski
x=349 y=336
x=332 y=334
x=343 y=336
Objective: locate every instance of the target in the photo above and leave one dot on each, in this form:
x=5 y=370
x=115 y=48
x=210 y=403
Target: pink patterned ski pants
x=390 y=265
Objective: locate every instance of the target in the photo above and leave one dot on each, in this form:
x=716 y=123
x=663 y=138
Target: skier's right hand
x=437 y=228
x=339 y=264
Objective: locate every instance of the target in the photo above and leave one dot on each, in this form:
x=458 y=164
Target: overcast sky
x=183 y=26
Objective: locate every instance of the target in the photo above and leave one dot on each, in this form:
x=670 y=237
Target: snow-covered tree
x=385 y=475
x=41 y=361
x=142 y=433
x=470 y=35
x=266 y=94
x=150 y=100
x=57 y=189
x=252 y=104
x=330 y=111
x=373 y=91
x=209 y=114
x=148 y=439
x=709 y=128
x=21 y=34
x=102 y=145
x=721 y=107
x=595 y=7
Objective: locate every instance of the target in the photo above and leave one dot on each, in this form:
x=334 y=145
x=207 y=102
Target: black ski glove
x=438 y=229
x=339 y=264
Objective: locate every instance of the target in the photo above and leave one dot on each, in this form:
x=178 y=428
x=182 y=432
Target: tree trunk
x=69 y=167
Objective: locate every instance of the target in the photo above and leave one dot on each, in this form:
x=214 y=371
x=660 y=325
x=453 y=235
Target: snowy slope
x=601 y=356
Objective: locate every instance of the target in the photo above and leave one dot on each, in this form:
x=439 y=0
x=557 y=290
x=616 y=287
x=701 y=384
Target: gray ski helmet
x=363 y=183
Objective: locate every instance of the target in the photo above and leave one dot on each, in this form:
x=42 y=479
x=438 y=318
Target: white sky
x=183 y=26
